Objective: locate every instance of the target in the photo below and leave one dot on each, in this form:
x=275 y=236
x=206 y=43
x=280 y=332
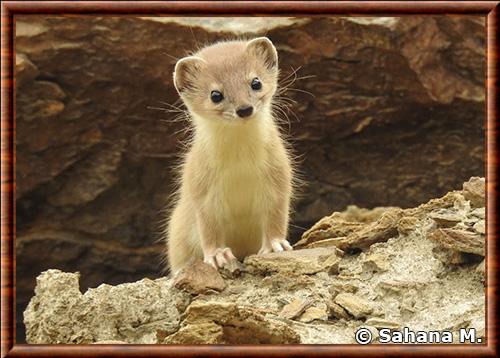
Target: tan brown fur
x=236 y=184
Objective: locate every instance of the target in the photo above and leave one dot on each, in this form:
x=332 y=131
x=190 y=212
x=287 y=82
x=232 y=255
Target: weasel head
x=232 y=81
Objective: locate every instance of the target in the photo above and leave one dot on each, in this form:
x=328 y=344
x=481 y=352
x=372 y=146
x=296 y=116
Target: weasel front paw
x=219 y=258
x=275 y=245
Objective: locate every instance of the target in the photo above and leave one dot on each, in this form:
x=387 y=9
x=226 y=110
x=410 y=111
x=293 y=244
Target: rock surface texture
x=395 y=116
x=401 y=280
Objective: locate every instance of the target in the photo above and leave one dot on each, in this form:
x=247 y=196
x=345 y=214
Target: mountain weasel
x=236 y=179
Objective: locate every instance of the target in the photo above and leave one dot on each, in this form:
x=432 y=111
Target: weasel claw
x=275 y=245
x=220 y=258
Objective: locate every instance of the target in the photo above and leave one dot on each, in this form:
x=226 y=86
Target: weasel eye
x=256 y=84
x=216 y=96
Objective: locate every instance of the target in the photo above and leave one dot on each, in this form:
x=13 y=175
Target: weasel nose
x=244 y=111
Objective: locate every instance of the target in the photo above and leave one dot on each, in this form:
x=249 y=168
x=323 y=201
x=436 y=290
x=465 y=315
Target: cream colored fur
x=236 y=177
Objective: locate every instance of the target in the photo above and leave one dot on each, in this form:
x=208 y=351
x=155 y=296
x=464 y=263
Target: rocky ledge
x=421 y=268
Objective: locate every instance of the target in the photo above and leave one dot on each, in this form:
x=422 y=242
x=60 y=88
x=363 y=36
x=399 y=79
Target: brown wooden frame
x=489 y=9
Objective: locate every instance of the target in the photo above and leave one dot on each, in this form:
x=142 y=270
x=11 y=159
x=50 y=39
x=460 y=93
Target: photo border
x=9 y=9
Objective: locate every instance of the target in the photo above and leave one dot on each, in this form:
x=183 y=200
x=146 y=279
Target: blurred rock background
x=390 y=112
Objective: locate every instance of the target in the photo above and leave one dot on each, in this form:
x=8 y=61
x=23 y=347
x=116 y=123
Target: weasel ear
x=186 y=71
x=264 y=49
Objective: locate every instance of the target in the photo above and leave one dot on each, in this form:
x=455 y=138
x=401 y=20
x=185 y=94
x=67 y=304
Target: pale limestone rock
x=296 y=262
x=407 y=224
x=314 y=313
x=400 y=286
x=459 y=240
x=479 y=213
x=355 y=305
x=323 y=243
x=358 y=235
x=475 y=191
x=446 y=218
x=480 y=227
x=295 y=308
x=381 y=230
x=286 y=282
x=338 y=286
x=329 y=227
x=60 y=313
x=452 y=257
x=336 y=311
x=376 y=261
x=355 y=214
x=453 y=199
x=382 y=323
x=398 y=281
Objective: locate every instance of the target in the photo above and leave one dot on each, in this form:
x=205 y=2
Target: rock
x=382 y=323
x=481 y=269
x=401 y=286
x=451 y=257
x=314 y=313
x=331 y=231
x=228 y=323
x=25 y=69
x=342 y=286
x=183 y=302
x=478 y=213
x=458 y=240
x=475 y=191
x=450 y=200
x=361 y=236
x=336 y=311
x=440 y=87
x=295 y=308
x=279 y=301
x=353 y=213
x=376 y=262
x=407 y=224
x=329 y=228
x=296 y=262
x=60 y=313
x=201 y=333
x=325 y=243
x=381 y=230
x=457 y=246
x=285 y=281
x=479 y=227
x=199 y=277
x=95 y=175
x=71 y=247
x=356 y=306
x=446 y=218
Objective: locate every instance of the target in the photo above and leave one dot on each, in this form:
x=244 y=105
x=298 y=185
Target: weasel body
x=236 y=179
